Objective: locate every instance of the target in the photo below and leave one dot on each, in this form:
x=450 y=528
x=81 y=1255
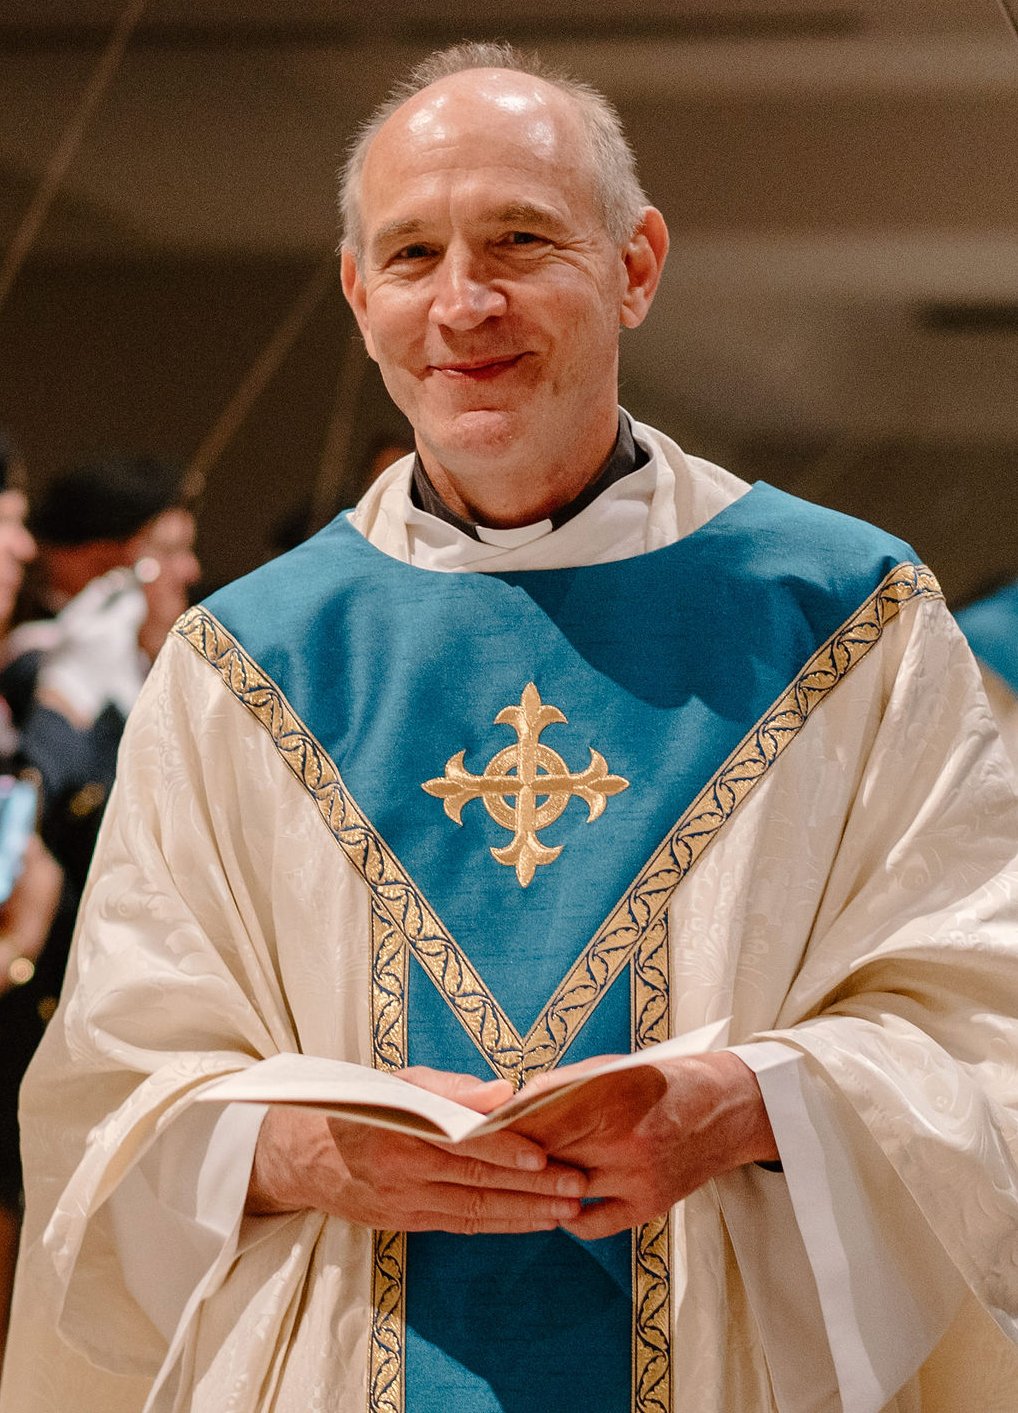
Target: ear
x=356 y=295
x=644 y=258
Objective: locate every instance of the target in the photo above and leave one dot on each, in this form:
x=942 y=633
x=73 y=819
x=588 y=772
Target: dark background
x=839 y=315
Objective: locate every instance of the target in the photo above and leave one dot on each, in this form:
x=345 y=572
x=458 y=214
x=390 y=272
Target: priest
x=562 y=743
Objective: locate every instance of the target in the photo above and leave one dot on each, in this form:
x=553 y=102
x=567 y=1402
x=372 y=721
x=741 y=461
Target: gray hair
x=611 y=159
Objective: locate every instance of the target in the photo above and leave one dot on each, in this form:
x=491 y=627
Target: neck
x=506 y=497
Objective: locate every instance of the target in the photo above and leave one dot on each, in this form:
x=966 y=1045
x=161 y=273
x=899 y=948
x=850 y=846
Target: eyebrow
x=396 y=230
x=526 y=213
x=516 y=213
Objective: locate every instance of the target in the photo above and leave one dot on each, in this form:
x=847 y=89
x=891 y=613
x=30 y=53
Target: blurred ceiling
x=841 y=181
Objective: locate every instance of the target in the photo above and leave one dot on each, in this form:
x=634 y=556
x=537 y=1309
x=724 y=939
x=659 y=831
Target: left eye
x=523 y=238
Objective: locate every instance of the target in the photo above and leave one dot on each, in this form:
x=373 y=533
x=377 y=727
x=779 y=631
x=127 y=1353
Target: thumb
x=478 y=1094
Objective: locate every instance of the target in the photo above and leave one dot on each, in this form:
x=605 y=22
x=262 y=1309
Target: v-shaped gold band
x=509 y=1054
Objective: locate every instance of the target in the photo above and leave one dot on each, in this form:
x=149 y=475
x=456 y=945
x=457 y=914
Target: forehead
x=497 y=135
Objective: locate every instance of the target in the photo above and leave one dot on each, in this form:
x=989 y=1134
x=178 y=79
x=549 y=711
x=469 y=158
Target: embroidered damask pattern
x=533 y=775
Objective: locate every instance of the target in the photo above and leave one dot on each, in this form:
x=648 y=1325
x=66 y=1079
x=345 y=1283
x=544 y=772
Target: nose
x=464 y=296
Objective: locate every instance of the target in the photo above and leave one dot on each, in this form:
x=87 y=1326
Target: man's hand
x=649 y=1136
x=377 y=1178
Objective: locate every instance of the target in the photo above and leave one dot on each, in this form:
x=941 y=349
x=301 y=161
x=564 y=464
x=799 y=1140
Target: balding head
x=601 y=141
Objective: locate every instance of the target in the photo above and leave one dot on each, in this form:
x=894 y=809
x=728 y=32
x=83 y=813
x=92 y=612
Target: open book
x=377 y=1097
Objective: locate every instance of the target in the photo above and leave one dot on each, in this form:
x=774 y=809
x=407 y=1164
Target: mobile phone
x=18 y=805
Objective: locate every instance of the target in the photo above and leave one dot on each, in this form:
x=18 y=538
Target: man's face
x=488 y=290
x=17 y=548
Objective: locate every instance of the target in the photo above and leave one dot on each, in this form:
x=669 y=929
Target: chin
x=484 y=432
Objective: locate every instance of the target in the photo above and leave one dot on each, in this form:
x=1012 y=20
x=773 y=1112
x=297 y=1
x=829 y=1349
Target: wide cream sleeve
x=859 y=914
x=906 y=1011
x=216 y=892
x=907 y=999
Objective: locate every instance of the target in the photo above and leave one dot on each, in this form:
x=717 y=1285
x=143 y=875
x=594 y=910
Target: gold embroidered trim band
x=386 y=1370
x=652 y=1243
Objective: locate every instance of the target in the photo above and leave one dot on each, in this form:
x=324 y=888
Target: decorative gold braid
x=652 y=1284
x=652 y=1317
x=386 y=1380
x=388 y=992
x=650 y=987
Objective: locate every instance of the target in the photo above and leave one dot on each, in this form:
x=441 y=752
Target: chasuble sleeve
x=175 y=978
x=905 y=1008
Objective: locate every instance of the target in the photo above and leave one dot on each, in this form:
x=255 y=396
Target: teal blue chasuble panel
x=501 y=756
x=660 y=664
x=991 y=626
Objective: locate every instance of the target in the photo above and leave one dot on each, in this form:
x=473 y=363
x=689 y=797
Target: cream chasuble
x=855 y=918
x=991 y=626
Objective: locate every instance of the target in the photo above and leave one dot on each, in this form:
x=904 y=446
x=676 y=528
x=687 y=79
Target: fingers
x=475 y=1209
x=474 y=1169
x=563 y=1074
x=504 y=1149
x=479 y=1094
x=471 y=1226
x=600 y=1219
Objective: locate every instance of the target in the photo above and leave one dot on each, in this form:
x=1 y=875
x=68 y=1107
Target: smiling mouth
x=479 y=369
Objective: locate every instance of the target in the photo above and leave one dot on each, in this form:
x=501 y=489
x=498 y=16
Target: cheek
x=394 y=325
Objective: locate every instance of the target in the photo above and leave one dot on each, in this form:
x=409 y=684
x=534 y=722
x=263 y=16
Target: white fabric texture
x=858 y=911
x=1004 y=705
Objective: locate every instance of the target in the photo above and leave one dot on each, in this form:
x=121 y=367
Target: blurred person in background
x=991 y=626
x=116 y=565
x=29 y=891
x=116 y=551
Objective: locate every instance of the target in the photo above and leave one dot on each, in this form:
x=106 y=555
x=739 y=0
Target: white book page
x=384 y=1100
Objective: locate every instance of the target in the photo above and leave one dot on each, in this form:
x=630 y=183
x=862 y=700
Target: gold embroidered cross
x=540 y=797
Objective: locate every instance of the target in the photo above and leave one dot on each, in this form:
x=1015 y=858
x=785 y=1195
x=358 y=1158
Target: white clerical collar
x=625 y=457
x=514 y=536
x=671 y=495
